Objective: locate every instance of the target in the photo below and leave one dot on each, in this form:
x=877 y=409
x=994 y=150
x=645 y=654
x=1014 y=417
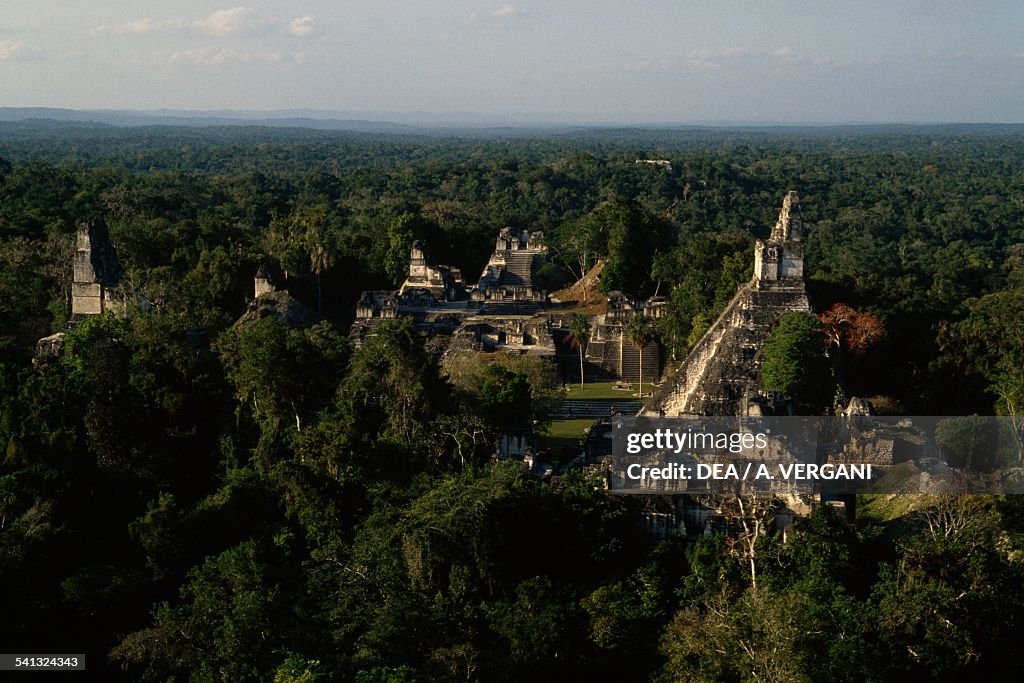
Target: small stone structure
x=97 y=273
x=381 y=304
x=721 y=375
x=280 y=305
x=444 y=283
x=610 y=346
x=269 y=302
x=48 y=348
x=664 y=163
x=263 y=281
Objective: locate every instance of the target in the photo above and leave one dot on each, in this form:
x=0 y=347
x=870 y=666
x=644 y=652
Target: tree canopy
x=188 y=496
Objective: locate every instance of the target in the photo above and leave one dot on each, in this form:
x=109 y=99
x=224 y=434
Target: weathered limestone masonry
x=512 y=311
x=97 y=272
x=610 y=346
x=721 y=374
x=443 y=282
x=434 y=295
x=263 y=282
x=94 y=283
x=271 y=302
x=505 y=310
x=508 y=275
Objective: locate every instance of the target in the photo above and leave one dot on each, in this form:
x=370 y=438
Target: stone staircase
x=583 y=408
x=505 y=308
x=677 y=393
x=631 y=363
x=715 y=377
x=518 y=269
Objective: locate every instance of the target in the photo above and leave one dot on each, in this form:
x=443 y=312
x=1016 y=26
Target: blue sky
x=643 y=61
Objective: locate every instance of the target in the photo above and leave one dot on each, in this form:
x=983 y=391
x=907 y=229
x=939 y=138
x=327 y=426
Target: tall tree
x=641 y=333
x=579 y=332
x=795 y=363
x=634 y=237
x=579 y=244
x=317 y=236
x=851 y=332
x=990 y=342
x=306 y=239
x=393 y=390
x=282 y=372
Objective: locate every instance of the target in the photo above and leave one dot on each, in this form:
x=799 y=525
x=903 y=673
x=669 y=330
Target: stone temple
x=721 y=374
x=508 y=275
x=504 y=310
x=96 y=274
x=610 y=347
x=94 y=288
x=444 y=283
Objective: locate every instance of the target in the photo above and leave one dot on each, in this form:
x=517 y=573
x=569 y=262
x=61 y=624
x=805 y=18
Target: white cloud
x=301 y=27
x=19 y=50
x=9 y=49
x=215 y=56
x=718 y=53
x=220 y=24
x=226 y=22
x=504 y=17
x=723 y=57
x=140 y=26
x=785 y=54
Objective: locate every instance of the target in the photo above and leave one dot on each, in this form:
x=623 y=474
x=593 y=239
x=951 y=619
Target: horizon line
x=457 y=118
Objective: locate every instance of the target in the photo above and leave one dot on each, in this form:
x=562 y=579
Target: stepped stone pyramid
x=721 y=374
x=508 y=276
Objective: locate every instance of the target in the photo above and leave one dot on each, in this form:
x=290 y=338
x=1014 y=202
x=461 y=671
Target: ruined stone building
x=721 y=374
x=513 y=311
x=263 y=282
x=268 y=301
x=504 y=310
x=97 y=273
x=610 y=346
x=444 y=283
x=433 y=295
x=509 y=274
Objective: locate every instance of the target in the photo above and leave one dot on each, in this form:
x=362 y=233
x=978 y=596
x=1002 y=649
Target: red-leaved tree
x=850 y=331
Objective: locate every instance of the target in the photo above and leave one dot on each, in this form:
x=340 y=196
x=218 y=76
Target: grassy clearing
x=890 y=507
x=599 y=391
x=565 y=433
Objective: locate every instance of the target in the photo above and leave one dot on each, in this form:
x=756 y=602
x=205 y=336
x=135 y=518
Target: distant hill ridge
x=128 y=119
x=410 y=122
